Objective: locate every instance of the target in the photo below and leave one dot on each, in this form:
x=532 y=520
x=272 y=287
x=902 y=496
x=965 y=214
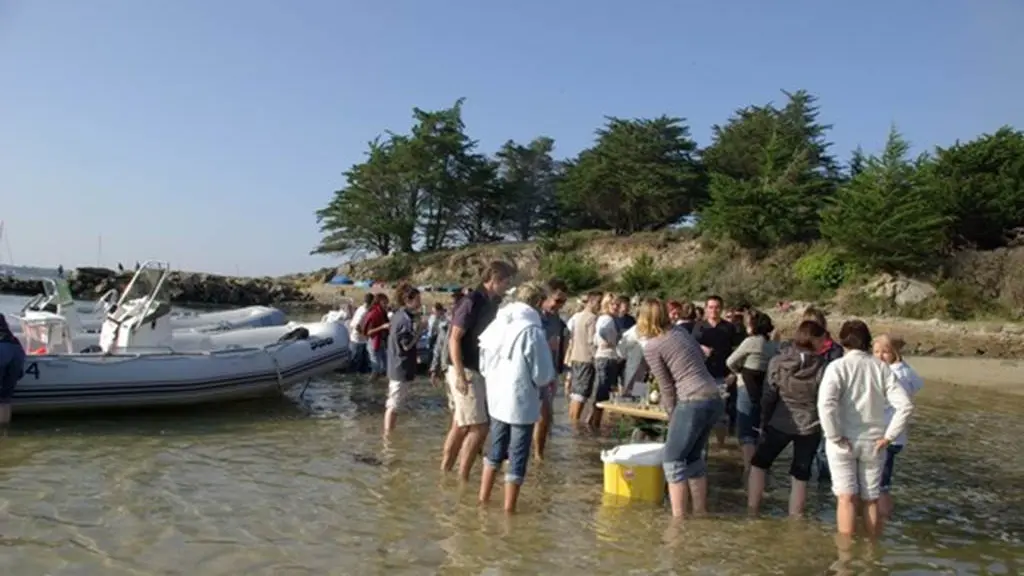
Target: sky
x=207 y=132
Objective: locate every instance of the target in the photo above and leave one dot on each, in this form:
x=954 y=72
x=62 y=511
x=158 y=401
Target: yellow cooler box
x=633 y=471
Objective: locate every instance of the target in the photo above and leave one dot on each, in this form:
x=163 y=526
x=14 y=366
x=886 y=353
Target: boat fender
x=300 y=333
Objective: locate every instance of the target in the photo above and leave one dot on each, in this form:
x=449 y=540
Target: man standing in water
x=717 y=338
x=554 y=329
x=401 y=352
x=580 y=354
x=12 y=365
x=466 y=388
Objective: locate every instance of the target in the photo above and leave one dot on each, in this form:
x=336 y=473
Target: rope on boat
x=277 y=370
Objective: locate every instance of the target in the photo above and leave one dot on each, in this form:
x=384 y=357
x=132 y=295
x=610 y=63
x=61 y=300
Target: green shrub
x=641 y=277
x=579 y=272
x=394 y=268
x=821 y=269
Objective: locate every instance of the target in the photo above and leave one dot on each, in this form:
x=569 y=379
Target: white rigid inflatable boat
x=56 y=299
x=143 y=363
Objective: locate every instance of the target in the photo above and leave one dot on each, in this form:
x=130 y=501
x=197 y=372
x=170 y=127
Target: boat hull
x=57 y=383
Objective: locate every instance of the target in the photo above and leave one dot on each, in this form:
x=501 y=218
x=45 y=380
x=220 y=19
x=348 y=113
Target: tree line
x=767 y=179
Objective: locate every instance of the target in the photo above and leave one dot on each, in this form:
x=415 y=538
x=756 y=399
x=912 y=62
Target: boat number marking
x=318 y=344
x=33 y=369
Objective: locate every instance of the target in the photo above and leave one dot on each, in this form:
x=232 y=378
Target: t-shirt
x=357 y=319
x=721 y=338
x=375 y=317
x=582 y=326
x=6 y=335
x=624 y=322
x=554 y=329
x=606 y=337
x=473 y=314
x=401 y=348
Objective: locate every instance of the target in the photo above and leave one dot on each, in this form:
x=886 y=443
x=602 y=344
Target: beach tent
x=341 y=279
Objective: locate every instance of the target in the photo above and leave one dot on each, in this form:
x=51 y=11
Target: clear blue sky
x=206 y=132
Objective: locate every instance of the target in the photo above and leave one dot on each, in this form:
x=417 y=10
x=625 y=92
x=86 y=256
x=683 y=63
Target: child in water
x=889 y=349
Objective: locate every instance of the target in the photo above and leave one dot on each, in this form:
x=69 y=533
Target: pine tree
x=884 y=217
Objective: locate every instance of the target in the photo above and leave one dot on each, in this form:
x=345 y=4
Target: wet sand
x=990 y=373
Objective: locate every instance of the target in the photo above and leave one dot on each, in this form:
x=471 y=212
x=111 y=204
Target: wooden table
x=634 y=410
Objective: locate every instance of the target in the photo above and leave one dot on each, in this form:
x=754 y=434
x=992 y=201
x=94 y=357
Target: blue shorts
x=12 y=368
x=510 y=442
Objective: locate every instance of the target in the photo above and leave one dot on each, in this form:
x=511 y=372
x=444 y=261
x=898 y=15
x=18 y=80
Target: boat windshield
x=147 y=280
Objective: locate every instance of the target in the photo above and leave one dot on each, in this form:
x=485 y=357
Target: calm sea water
x=305 y=485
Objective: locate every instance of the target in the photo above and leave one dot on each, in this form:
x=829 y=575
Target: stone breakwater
x=182 y=288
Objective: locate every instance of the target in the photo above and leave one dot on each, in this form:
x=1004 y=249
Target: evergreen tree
x=885 y=217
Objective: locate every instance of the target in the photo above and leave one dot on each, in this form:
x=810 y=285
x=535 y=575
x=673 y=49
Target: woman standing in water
x=749 y=362
x=516 y=362
x=789 y=413
x=889 y=349
x=855 y=393
x=690 y=396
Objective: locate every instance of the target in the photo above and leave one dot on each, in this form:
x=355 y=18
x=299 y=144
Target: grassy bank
x=969 y=285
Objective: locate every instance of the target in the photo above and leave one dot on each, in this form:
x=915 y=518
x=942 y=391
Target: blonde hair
x=531 y=294
x=652 y=319
x=894 y=343
x=609 y=302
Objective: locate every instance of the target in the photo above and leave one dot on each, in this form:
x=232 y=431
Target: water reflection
x=307 y=487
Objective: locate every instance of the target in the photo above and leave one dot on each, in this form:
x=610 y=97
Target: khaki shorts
x=397 y=393
x=470 y=408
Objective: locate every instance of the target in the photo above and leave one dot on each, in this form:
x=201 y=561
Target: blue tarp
x=341 y=279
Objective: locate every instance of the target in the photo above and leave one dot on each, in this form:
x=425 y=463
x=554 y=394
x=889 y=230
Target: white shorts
x=857 y=470
x=397 y=393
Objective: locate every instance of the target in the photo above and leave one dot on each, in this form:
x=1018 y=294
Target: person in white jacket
x=516 y=363
x=889 y=349
x=852 y=401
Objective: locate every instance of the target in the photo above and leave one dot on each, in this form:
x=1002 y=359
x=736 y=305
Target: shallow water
x=305 y=485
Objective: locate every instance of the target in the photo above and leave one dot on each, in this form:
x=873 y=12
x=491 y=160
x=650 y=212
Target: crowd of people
x=502 y=353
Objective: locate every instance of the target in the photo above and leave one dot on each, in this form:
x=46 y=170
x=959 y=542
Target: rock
x=181 y=288
x=902 y=291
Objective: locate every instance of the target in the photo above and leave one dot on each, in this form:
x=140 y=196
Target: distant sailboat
x=7 y=270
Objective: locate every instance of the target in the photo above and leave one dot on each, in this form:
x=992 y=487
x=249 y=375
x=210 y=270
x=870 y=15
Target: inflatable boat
x=56 y=299
x=141 y=362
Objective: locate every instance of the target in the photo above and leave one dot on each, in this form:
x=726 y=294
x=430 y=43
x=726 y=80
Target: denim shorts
x=510 y=442
x=688 y=431
x=890 y=459
x=379 y=360
x=748 y=417
x=12 y=368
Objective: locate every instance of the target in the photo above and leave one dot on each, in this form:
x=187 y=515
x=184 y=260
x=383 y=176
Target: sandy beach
x=990 y=373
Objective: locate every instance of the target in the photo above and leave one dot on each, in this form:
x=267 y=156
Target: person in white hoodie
x=889 y=349
x=516 y=363
x=852 y=401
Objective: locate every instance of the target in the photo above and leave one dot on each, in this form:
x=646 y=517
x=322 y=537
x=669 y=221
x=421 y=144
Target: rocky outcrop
x=182 y=288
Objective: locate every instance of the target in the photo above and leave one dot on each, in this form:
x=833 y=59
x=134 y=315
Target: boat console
x=142 y=316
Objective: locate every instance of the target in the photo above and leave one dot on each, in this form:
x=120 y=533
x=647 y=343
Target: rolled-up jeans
x=748 y=417
x=510 y=442
x=689 y=428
